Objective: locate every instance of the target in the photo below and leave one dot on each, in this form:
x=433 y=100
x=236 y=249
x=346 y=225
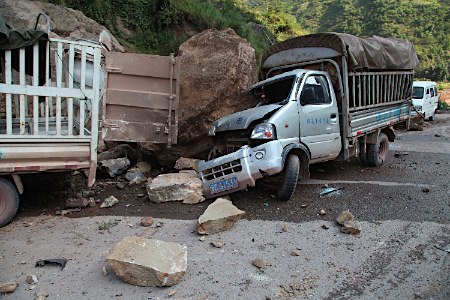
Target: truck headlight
x=264 y=131
x=212 y=131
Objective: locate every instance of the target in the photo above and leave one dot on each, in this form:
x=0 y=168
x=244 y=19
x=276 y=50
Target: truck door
x=319 y=117
x=141 y=103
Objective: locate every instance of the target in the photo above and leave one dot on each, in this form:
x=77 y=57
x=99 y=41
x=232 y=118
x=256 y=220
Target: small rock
x=65 y=212
x=110 y=201
x=193 y=198
x=173 y=187
x=324 y=226
x=202 y=238
x=437 y=135
x=92 y=202
x=148 y=262
x=32 y=279
x=8 y=287
x=40 y=295
x=350 y=227
x=31 y=287
x=295 y=253
x=172 y=293
x=219 y=216
x=58 y=212
x=186 y=164
x=77 y=202
x=141 y=195
x=426 y=190
x=147 y=221
x=144 y=167
x=88 y=193
x=115 y=166
x=322 y=212
x=97 y=200
x=260 y=263
x=135 y=176
x=120 y=185
x=285 y=227
x=104 y=271
x=303 y=206
x=159 y=224
x=344 y=216
x=217 y=244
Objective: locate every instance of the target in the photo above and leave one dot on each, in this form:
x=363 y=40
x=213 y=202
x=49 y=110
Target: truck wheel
x=362 y=155
x=431 y=118
x=290 y=178
x=377 y=153
x=9 y=201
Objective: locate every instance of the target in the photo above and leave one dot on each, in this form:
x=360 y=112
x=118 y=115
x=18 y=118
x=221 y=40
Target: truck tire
x=290 y=178
x=377 y=153
x=362 y=155
x=9 y=201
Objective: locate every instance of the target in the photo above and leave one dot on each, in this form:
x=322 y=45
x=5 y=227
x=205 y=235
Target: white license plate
x=223 y=185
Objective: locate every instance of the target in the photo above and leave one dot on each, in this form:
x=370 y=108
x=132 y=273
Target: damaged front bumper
x=238 y=170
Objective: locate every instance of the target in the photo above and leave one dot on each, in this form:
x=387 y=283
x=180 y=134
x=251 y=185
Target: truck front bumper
x=238 y=170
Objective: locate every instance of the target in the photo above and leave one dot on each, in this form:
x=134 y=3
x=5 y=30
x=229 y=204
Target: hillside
x=160 y=26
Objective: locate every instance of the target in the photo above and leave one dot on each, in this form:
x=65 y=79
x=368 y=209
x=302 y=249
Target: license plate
x=223 y=185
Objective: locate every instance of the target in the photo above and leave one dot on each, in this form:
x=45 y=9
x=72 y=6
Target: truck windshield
x=274 y=92
x=417 y=92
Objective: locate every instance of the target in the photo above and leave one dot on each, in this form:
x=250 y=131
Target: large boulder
x=173 y=187
x=64 y=22
x=219 y=216
x=148 y=262
x=217 y=67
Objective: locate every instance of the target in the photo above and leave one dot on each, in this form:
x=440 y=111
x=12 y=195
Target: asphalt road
x=397 y=256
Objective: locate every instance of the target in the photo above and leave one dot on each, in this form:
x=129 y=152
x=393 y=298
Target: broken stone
x=104 y=271
x=88 y=193
x=217 y=244
x=8 y=287
x=350 y=227
x=219 y=216
x=186 y=164
x=40 y=295
x=303 y=206
x=32 y=279
x=295 y=253
x=115 y=166
x=148 y=262
x=202 y=238
x=344 y=216
x=65 y=212
x=193 y=198
x=135 y=176
x=77 y=202
x=159 y=224
x=322 y=212
x=324 y=226
x=144 y=167
x=426 y=190
x=260 y=263
x=147 y=221
x=92 y=202
x=190 y=172
x=110 y=201
x=285 y=227
x=172 y=293
x=120 y=185
x=173 y=187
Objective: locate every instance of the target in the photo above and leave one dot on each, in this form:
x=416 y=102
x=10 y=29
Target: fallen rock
x=144 y=167
x=88 y=193
x=115 y=166
x=350 y=227
x=345 y=216
x=219 y=216
x=120 y=185
x=426 y=190
x=186 y=164
x=41 y=295
x=32 y=279
x=104 y=271
x=8 y=287
x=147 y=221
x=193 y=198
x=322 y=212
x=260 y=263
x=135 y=176
x=295 y=253
x=122 y=150
x=285 y=227
x=77 y=202
x=172 y=293
x=190 y=172
x=148 y=262
x=110 y=201
x=324 y=226
x=92 y=202
x=217 y=244
x=173 y=187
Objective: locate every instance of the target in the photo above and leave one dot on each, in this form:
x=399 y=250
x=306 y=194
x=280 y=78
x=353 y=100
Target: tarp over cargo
x=361 y=52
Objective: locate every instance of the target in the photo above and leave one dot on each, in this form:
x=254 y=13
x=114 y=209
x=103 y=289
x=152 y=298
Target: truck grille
x=222 y=170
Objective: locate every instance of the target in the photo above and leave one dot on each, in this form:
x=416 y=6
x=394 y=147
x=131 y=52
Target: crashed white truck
x=58 y=97
x=323 y=96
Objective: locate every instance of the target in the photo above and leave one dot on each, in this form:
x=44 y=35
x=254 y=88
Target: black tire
x=377 y=153
x=362 y=155
x=431 y=118
x=290 y=178
x=9 y=201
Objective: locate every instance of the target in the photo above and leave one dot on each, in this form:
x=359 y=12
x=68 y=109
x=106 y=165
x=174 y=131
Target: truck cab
x=425 y=98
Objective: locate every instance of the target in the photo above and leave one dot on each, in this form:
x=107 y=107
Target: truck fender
x=389 y=131
x=303 y=153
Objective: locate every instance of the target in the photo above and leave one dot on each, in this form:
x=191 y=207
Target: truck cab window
x=315 y=91
x=417 y=92
x=274 y=92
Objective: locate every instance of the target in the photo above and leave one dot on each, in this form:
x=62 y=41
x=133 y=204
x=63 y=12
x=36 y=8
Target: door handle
x=333 y=116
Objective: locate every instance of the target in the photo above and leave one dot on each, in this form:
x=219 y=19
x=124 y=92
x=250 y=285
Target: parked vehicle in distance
x=425 y=99
x=323 y=96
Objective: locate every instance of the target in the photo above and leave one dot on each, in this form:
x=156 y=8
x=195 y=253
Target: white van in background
x=425 y=98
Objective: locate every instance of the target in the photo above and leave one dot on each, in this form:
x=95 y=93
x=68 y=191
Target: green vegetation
x=160 y=26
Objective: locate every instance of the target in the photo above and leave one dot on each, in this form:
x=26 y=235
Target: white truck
x=323 y=96
x=58 y=97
